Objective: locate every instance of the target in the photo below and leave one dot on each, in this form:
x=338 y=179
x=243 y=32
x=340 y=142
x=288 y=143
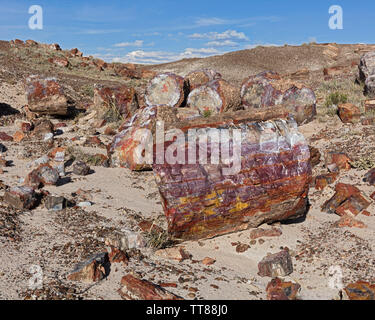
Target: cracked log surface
x=272 y=185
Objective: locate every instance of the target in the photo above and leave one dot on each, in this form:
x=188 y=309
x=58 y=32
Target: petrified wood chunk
x=137 y=289
x=257 y=91
x=215 y=97
x=166 y=89
x=205 y=200
x=46 y=96
x=267 y=89
x=122 y=98
x=139 y=129
x=199 y=78
x=367 y=73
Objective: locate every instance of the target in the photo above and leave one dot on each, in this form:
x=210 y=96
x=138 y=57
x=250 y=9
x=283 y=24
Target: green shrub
x=336 y=98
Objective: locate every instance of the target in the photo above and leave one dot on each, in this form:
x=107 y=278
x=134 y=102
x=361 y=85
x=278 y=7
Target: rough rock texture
x=324 y=180
x=280 y=290
x=267 y=89
x=199 y=78
x=93 y=270
x=349 y=113
x=43 y=175
x=20 y=197
x=46 y=96
x=175 y=253
x=367 y=73
x=360 y=290
x=346 y=199
x=215 y=97
x=166 y=89
x=370 y=177
x=335 y=161
x=137 y=289
x=257 y=91
x=301 y=103
x=124 y=151
x=80 y=168
x=200 y=201
x=122 y=98
x=53 y=203
x=276 y=265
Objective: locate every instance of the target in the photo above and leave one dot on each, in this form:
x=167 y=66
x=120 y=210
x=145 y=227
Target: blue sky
x=164 y=30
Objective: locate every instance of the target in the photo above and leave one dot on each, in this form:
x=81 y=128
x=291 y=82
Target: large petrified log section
x=199 y=78
x=137 y=130
x=267 y=90
x=166 y=89
x=367 y=73
x=272 y=184
x=217 y=96
x=122 y=98
x=46 y=96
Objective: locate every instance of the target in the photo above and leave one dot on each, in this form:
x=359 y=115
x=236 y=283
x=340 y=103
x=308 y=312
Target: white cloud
x=226 y=35
x=225 y=43
x=156 y=57
x=136 y=43
x=205 y=22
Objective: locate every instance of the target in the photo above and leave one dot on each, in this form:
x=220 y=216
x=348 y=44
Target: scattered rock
x=42 y=176
x=80 y=168
x=242 y=247
x=322 y=181
x=3 y=148
x=344 y=192
x=91 y=271
x=276 y=265
x=260 y=233
x=175 y=253
x=370 y=177
x=349 y=222
x=46 y=96
x=315 y=156
x=208 y=261
x=116 y=255
x=280 y=290
x=360 y=290
x=5 y=137
x=337 y=161
x=349 y=113
x=136 y=289
x=21 y=198
x=53 y=203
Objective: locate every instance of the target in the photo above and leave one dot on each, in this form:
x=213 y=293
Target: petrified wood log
x=166 y=89
x=122 y=98
x=137 y=289
x=46 y=96
x=199 y=78
x=139 y=129
x=267 y=89
x=215 y=97
x=203 y=200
